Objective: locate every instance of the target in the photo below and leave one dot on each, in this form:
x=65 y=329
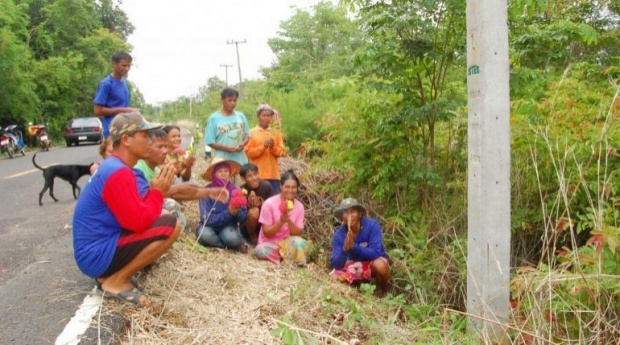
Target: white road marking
x=28 y=171
x=79 y=323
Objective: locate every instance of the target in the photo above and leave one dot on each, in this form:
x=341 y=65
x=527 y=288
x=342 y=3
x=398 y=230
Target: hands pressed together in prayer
x=269 y=143
x=350 y=239
x=164 y=179
x=253 y=200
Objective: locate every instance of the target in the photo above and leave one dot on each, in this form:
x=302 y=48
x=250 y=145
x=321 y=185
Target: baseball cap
x=129 y=123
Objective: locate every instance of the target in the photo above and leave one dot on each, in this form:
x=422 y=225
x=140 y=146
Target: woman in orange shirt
x=265 y=147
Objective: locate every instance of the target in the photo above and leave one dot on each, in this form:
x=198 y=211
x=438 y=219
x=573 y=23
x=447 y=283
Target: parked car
x=83 y=129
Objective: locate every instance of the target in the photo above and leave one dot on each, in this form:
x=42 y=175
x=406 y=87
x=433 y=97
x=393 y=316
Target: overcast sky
x=179 y=44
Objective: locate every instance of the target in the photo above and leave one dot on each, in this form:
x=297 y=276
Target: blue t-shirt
x=227 y=130
x=112 y=93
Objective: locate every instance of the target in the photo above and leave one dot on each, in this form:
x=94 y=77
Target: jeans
x=228 y=237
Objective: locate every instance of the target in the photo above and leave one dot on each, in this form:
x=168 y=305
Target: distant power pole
x=488 y=175
x=226 y=67
x=236 y=43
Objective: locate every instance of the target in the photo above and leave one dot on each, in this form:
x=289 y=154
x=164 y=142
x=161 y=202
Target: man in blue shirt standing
x=227 y=129
x=113 y=95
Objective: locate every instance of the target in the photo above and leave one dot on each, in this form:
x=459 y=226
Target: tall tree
x=312 y=46
x=17 y=97
x=113 y=18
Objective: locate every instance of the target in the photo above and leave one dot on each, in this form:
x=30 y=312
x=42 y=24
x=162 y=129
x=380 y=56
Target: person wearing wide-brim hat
x=219 y=221
x=357 y=247
x=215 y=162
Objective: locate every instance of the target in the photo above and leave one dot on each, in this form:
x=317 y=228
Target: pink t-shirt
x=270 y=214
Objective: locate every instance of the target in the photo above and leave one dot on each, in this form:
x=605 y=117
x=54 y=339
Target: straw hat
x=347 y=204
x=234 y=167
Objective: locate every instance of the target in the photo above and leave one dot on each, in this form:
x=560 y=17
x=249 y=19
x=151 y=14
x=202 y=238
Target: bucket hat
x=346 y=204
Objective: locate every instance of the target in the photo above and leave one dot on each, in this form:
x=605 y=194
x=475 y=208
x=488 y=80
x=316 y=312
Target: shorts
x=130 y=244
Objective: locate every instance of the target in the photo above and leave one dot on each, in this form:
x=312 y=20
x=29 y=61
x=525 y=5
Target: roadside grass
x=210 y=296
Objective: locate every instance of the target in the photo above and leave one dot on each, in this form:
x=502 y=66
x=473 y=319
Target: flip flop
x=131 y=296
x=134 y=281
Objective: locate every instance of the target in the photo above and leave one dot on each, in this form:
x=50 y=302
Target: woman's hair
x=288 y=175
x=168 y=128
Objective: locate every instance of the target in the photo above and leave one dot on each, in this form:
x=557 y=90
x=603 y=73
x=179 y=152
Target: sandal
x=131 y=296
x=134 y=281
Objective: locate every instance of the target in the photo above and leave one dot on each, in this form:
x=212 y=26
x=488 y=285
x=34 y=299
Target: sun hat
x=346 y=204
x=234 y=167
x=129 y=123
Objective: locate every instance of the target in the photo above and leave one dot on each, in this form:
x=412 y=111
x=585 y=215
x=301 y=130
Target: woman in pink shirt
x=282 y=219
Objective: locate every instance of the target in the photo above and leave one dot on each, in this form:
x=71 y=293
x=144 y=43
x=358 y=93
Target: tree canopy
x=54 y=53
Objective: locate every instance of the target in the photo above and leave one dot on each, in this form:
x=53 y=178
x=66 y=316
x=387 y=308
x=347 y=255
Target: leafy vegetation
x=53 y=55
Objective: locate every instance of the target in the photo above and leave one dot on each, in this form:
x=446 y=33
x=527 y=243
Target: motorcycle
x=40 y=132
x=12 y=141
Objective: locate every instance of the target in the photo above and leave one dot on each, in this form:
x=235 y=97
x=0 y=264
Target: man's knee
x=177 y=231
x=253 y=214
x=207 y=237
x=380 y=267
x=231 y=237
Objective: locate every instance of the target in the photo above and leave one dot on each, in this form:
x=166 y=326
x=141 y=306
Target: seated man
x=116 y=232
x=257 y=191
x=146 y=168
x=357 y=247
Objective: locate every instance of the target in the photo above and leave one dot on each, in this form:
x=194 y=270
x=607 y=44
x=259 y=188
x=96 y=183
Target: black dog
x=69 y=173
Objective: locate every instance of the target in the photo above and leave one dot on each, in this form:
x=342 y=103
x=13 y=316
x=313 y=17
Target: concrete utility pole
x=236 y=43
x=226 y=67
x=488 y=190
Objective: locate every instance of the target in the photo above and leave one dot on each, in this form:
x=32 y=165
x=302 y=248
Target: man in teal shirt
x=227 y=129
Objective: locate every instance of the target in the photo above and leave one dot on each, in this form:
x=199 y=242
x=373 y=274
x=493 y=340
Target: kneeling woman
x=219 y=222
x=357 y=247
x=282 y=219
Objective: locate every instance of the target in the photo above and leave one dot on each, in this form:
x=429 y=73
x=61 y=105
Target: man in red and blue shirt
x=117 y=232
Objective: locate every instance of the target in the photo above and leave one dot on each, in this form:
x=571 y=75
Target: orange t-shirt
x=266 y=159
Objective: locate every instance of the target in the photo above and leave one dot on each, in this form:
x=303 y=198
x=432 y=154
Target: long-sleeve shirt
x=109 y=204
x=216 y=214
x=368 y=244
x=265 y=158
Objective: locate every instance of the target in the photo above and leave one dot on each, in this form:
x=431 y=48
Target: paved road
x=40 y=285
